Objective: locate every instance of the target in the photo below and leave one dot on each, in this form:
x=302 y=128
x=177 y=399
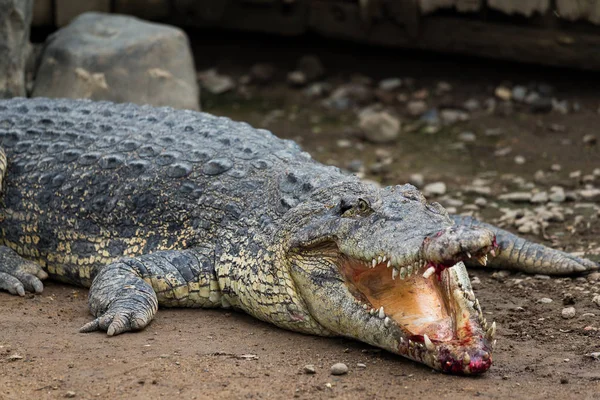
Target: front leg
x=125 y=295
x=520 y=254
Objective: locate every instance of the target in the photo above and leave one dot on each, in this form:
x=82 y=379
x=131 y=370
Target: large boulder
x=121 y=59
x=15 y=19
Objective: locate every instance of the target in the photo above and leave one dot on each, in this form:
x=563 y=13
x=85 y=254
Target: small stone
x=545 y=300
x=594 y=277
x=15 y=357
x=532 y=97
x=452 y=116
x=568 y=312
x=568 y=299
x=215 y=83
x=435 y=189
x=596 y=300
x=309 y=369
x=317 y=89
x=561 y=107
x=503 y=151
x=472 y=105
x=575 y=175
x=519 y=93
x=503 y=93
x=70 y=394
x=443 y=86
x=556 y=167
x=595 y=355
x=590 y=139
x=417 y=179
x=262 y=72
x=467 y=137
x=390 y=84
x=540 y=198
x=379 y=127
x=520 y=160
x=590 y=194
x=430 y=117
x=516 y=197
x=557 y=194
x=480 y=201
x=311 y=66
x=339 y=369
x=361 y=365
x=297 y=78
x=416 y=107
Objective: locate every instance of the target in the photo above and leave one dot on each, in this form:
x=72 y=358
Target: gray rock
x=451 y=116
x=520 y=160
x=540 y=197
x=317 y=89
x=467 y=137
x=519 y=93
x=590 y=139
x=416 y=107
x=349 y=95
x=262 y=73
x=596 y=300
x=560 y=106
x=379 y=126
x=516 y=197
x=339 y=369
x=417 y=179
x=309 y=369
x=545 y=300
x=557 y=194
x=297 y=78
x=15 y=20
x=472 y=105
x=121 y=59
x=568 y=312
x=311 y=66
x=590 y=194
x=390 y=84
x=214 y=82
x=503 y=93
x=435 y=189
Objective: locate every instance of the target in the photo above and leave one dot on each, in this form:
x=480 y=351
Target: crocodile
x=154 y=207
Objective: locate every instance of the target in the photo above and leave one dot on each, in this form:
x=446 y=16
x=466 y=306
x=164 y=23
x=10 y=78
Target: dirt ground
x=200 y=354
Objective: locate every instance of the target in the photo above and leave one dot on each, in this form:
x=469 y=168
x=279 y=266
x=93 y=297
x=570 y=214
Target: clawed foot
x=122 y=316
x=18 y=275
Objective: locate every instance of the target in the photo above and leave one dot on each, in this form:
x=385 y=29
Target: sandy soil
x=204 y=354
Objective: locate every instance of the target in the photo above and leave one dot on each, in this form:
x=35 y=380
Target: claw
x=489 y=335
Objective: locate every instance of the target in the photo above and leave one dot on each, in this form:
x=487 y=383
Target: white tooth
x=373 y=263
x=428 y=344
x=402 y=273
x=384 y=259
x=493 y=252
x=430 y=271
x=365 y=306
x=494 y=344
x=394 y=273
x=468 y=254
x=381 y=313
x=409 y=270
x=387 y=322
x=402 y=340
x=491 y=332
x=389 y=264
x=379 y=259
x=466 y=359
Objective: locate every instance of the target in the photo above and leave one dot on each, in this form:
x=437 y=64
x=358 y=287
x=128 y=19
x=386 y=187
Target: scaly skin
x=156 y=207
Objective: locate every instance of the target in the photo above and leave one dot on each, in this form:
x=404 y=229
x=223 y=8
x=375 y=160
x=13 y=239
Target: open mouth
x=421 y=299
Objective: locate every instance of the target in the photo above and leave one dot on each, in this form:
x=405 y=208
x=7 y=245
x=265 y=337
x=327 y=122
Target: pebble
x=297 y=78
x=503 y=151
x=480 y=201
x=472 y=105
x=557 y=194
x=417 y=179
x=596 y=300
x=309 y=369
x=594 y=277
x=431 y=117
x=468 y=137
x=590 y=194
x=311 y=66
x=416 y=107
x=435 y=189
x=545 y=300
x=70 y=394
x=262 y=72
x=214 y=82
x=561 y=107
x=361 y=365
x=516 y=197
x=317 y=89
x=503 y=93
x=568 y=312
x=540 y=197
x=590 y=139
x=556 y=167
x=451 y=116
x=379 y=126
x=339 y=369
x=390 y=84
x=520 y=160
x=519 y=93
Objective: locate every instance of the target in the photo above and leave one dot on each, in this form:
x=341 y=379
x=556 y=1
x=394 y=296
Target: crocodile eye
x=363 y=206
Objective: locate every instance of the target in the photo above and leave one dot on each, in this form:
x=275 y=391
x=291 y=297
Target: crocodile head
x=385 y=267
